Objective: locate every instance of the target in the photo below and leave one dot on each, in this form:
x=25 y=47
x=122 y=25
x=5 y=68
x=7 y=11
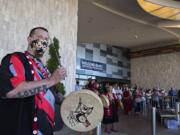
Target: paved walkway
x=130 y=125
x=67 y=131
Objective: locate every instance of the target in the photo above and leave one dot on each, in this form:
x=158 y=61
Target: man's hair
x=34 y=29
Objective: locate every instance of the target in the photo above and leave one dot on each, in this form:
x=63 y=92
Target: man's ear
x=29 y=39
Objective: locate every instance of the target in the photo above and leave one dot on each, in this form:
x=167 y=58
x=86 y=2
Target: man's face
x=39 y=42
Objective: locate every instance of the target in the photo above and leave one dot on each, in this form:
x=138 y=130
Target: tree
x=53 y=62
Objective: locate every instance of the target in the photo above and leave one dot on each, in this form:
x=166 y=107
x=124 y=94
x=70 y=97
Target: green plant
x=53 y=62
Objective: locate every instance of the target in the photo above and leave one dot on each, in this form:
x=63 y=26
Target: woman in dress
x=127 y=101
x=110 y=112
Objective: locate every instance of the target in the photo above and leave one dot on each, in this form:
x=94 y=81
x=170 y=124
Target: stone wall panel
x=156 y=71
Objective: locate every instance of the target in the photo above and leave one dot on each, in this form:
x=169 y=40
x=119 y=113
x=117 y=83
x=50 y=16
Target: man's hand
x=58 y=75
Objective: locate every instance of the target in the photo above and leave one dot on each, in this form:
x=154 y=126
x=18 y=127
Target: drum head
x=82 y=110
x=105 y=101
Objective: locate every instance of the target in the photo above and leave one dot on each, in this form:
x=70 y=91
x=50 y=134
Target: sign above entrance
x=92 y=65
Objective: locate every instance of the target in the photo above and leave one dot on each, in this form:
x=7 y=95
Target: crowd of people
x=133 y=100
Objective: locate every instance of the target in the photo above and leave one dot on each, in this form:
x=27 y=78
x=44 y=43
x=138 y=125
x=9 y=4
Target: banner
x=92 y=65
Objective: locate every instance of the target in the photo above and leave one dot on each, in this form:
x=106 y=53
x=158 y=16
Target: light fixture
x=167 y=3
x=167 y=9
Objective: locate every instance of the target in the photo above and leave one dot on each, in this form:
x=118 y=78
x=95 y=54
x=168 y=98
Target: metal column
x=178 y=112
x=153 y=121
x=98 y=131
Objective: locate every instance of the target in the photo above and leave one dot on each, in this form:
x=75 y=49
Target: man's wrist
x=50 y=82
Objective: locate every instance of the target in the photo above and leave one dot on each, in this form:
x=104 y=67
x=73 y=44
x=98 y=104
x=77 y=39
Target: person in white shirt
x=118 y=94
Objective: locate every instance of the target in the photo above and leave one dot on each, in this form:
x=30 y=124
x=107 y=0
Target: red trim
x=45 y=105
x=19 y=69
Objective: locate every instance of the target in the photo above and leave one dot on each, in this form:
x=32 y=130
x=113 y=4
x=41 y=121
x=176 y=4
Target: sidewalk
x=67 y=131
x=129 y=125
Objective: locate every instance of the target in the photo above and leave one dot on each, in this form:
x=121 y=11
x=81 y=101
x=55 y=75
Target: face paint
x=40 y=46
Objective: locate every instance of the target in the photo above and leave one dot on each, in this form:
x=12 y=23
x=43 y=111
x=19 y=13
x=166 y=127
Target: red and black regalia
x=127 y=101
x=26 y=116
x=111 y=112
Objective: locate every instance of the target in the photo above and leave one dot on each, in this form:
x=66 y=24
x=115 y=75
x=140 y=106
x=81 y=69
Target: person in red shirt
x=127 y=101
x=27 y=100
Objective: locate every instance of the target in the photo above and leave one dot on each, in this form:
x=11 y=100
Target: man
x=173 y=94
x=26 y=103
x=77 y=86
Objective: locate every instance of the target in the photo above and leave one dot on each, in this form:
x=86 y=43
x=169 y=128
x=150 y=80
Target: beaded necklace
x=44 y=73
